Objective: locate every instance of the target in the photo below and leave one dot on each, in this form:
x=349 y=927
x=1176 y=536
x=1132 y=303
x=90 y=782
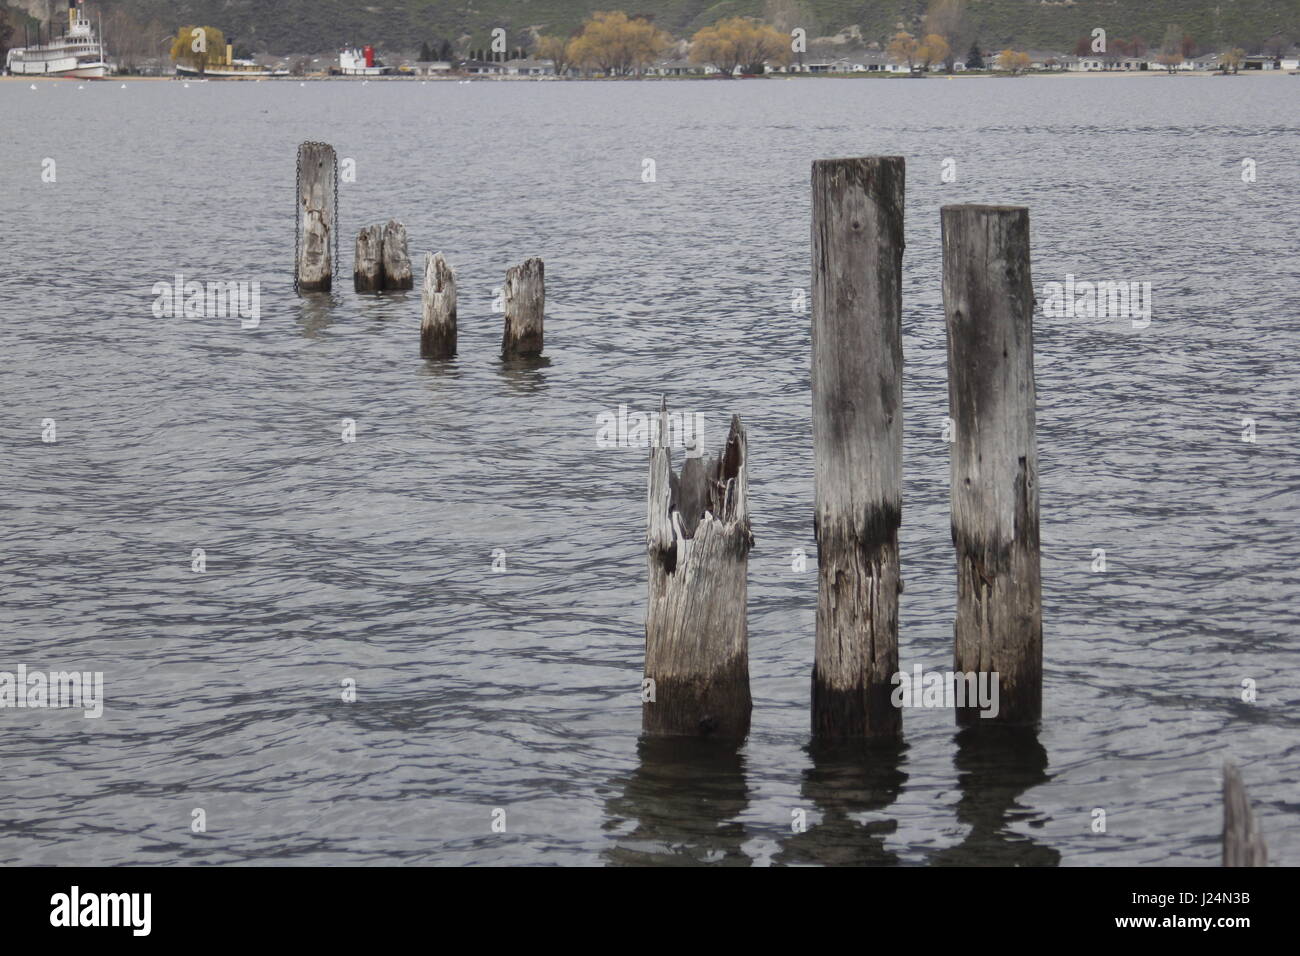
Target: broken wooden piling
x=1243 y=844
x=988 y=301
x=368 y=271
x=397 y=262
x=438 y=325
x=317 y=195
x=697 y=639
x=857 y=364
x=524 y=297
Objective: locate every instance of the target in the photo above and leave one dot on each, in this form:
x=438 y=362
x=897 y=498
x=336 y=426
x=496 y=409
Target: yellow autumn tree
x=617 y=45
x=557 y=50
x=933 y=49
x=1012 y=61
x=198 y=47
x=739 y=42
x=903 y=49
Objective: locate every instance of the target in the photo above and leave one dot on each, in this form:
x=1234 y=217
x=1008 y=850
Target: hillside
x=312 y=26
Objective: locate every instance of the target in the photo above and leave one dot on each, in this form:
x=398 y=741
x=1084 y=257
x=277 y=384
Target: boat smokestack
x=72 y=13
x=230 y=51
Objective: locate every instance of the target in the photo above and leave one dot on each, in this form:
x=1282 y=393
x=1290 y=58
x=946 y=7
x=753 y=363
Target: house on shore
x=431 y=68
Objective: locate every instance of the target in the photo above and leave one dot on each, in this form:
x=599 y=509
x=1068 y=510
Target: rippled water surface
x=372 y=560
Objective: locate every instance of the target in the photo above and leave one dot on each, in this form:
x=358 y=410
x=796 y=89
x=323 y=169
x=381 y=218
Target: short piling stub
x=857 y=399
x=397 y=261
x=368 y=272
x=697 y=637
x=317 y=212
x=1243 y=844
x=988 y=299
x=524 y=296
x=438 y=296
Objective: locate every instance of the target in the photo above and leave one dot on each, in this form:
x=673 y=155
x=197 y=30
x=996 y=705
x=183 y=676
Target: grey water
x=517 y=688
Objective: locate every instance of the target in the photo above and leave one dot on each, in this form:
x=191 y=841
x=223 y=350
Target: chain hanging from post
x=297 y=216
x=336 y=226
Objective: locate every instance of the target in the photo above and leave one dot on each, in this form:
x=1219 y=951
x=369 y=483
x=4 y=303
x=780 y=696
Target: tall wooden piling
x=1243 y=844
x=438 y=325
x=988 y=302
x=368 y=271
x=525 y=302
x=317 y=193
x=397 y=262
x=857 y=393
x=697 y=636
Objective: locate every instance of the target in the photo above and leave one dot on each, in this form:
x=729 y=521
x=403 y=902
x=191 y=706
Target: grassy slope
x=285 y=26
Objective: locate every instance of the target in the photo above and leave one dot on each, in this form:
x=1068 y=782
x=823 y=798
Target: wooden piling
x=368 y=272
x=988 y=301
x=397 y=262
x=317 y=181
x=697 y=638
x=438 y=326
x=525 y=303
x=1243 y=844
x=857 y=364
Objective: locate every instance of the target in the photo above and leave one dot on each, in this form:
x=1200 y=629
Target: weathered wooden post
x=317 y=199
x=368 y=273
x=857 y=393
x=988 y=300
x=438 y=326
x=525 y=303
x=1243 y=844
x=397 y=263
x=697 y=636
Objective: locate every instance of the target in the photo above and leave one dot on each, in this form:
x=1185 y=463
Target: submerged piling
x=1243 y=844
x=697 y=639
x=525 y=303
x=988 y=301
x=438 y=325
x=857 y=364
x=317 y=195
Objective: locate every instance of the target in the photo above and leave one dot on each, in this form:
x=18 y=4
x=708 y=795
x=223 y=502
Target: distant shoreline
x=462 y=78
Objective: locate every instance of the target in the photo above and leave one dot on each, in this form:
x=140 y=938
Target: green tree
x=974 y=58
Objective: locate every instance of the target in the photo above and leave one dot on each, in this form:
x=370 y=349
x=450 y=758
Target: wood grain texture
x=525 y=305
x=697 y=636
x=857 y=364
x=438 y=323
x=988 y=304
x=316 y=170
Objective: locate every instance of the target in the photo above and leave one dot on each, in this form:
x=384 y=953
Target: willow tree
x=933 y=49
x=903 y=49
x=559 y=50
x=739 y=42
x=196 y=47
x=1171 y=49
x=616 y=44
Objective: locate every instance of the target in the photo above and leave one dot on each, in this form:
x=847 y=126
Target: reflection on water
x=683 y=799
x=845 y=781
x=524 y=373
x=996 y=765
x=316 y=312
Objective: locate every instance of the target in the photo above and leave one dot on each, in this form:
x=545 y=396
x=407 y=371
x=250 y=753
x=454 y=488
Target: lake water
x=372 y=560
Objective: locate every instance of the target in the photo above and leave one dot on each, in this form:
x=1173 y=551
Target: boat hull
x=85 y=71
